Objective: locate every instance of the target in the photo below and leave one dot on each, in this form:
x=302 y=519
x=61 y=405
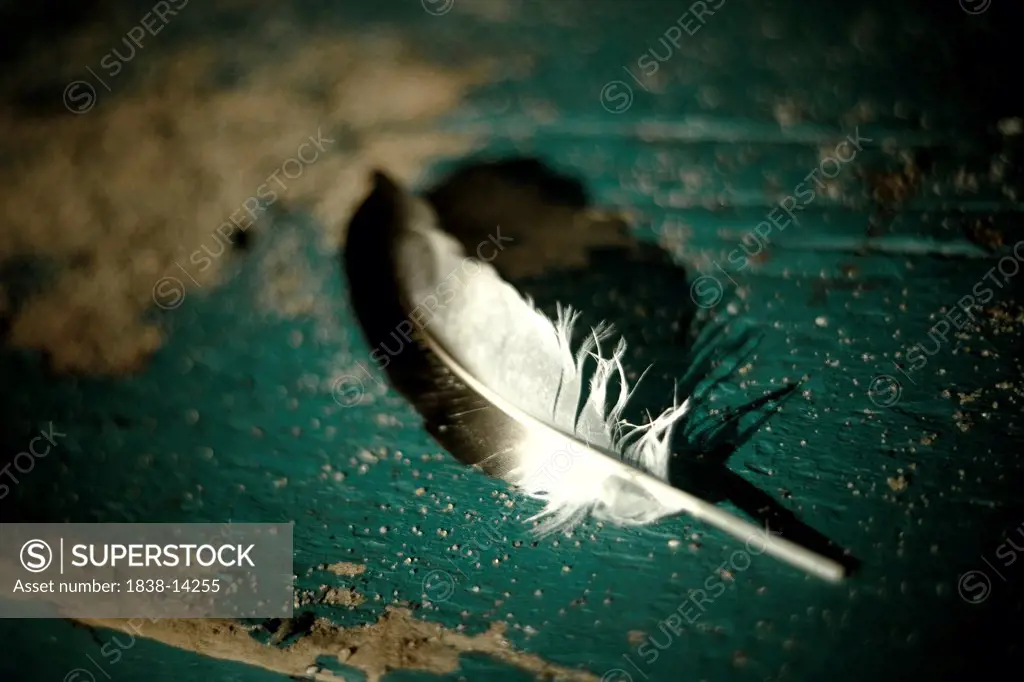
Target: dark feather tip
x=382 y=181
x=458 y=418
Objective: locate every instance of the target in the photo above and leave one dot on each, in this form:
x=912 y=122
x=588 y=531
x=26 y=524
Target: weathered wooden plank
x=236 y=418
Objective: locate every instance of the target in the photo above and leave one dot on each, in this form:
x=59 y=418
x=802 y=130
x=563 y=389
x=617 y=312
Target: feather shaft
x=779 y=547
x=501 y=387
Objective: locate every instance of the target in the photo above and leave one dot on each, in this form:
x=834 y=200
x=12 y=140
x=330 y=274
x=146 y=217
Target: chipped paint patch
x=346 y=568
x=397 y=641
x=332 y=596
x=146 y=182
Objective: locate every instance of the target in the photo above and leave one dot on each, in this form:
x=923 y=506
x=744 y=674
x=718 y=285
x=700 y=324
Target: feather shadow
x=456 y=414
x=462 y=421
x=534 y=200
x=708 y=440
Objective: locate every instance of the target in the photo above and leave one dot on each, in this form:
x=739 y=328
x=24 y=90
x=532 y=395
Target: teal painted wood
x=235 y=419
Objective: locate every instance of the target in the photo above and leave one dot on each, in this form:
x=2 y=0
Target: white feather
x=580 y=458
x=514 y=350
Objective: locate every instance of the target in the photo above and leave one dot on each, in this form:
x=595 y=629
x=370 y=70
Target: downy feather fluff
x=502 y=387
x=498 y=337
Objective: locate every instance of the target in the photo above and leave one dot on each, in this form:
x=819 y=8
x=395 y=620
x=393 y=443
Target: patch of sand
x=396 y=641
x=346 y=568
x=118 y=196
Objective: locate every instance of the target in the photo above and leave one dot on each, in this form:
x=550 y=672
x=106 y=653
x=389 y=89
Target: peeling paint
x=396 y=641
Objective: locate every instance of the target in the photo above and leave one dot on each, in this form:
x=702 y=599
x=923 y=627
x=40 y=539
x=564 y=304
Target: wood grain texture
x=237 y=418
